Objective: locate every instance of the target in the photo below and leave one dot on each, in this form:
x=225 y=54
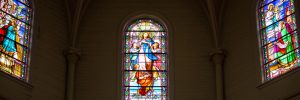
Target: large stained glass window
x=15 y=28
x=145 y=67
x=278 y=37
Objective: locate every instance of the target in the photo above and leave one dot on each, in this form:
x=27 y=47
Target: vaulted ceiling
x=213 y=8
x=75 y=11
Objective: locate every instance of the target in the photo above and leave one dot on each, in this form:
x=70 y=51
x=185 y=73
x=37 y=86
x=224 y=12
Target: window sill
x=16 y=80
x=276 y=79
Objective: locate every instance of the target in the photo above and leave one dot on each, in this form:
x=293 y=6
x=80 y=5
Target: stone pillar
x=72 y=56
x=218 y=57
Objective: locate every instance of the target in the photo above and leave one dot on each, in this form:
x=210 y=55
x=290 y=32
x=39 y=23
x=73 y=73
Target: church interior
x=215 y=50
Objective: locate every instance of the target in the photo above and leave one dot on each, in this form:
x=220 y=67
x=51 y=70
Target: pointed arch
x=278 y=37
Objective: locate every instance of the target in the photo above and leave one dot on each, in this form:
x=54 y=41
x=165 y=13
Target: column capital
x=72 y=51
x=217 y=56
x=72 y=54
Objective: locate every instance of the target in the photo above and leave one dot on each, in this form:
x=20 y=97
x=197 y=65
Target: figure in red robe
x=145 y=79
x=3 y=31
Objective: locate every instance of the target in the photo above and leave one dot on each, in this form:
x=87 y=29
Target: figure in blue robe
x=9 y=41
x=147 y=49
x=134 y=55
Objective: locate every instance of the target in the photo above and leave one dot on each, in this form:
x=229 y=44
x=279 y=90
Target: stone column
x=218 y=57
x=72 y=56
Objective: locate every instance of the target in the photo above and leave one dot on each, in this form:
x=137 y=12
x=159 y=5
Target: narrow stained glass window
x=145 y=57
x=278 y=37
x=15 y=28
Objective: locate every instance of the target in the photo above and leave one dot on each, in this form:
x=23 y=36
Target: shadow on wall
x=294 y=97
x=1 y=98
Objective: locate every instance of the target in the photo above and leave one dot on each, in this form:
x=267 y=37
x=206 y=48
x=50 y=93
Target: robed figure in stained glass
x=9 y=40
x=279 y=37
x=135 y=48
x=146 y=55
x=15 y=29
x=3 y=31
x=156 y=50
x=270 y=15
x=145 y=58
x=284 y=46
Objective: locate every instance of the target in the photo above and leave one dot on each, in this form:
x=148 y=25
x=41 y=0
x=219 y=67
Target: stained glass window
x=278 y=37
x=145 y=62
x=15 y=29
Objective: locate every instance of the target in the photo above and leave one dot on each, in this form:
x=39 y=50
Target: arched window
x=15 y=29
x=278 y=37
x=145 y=61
